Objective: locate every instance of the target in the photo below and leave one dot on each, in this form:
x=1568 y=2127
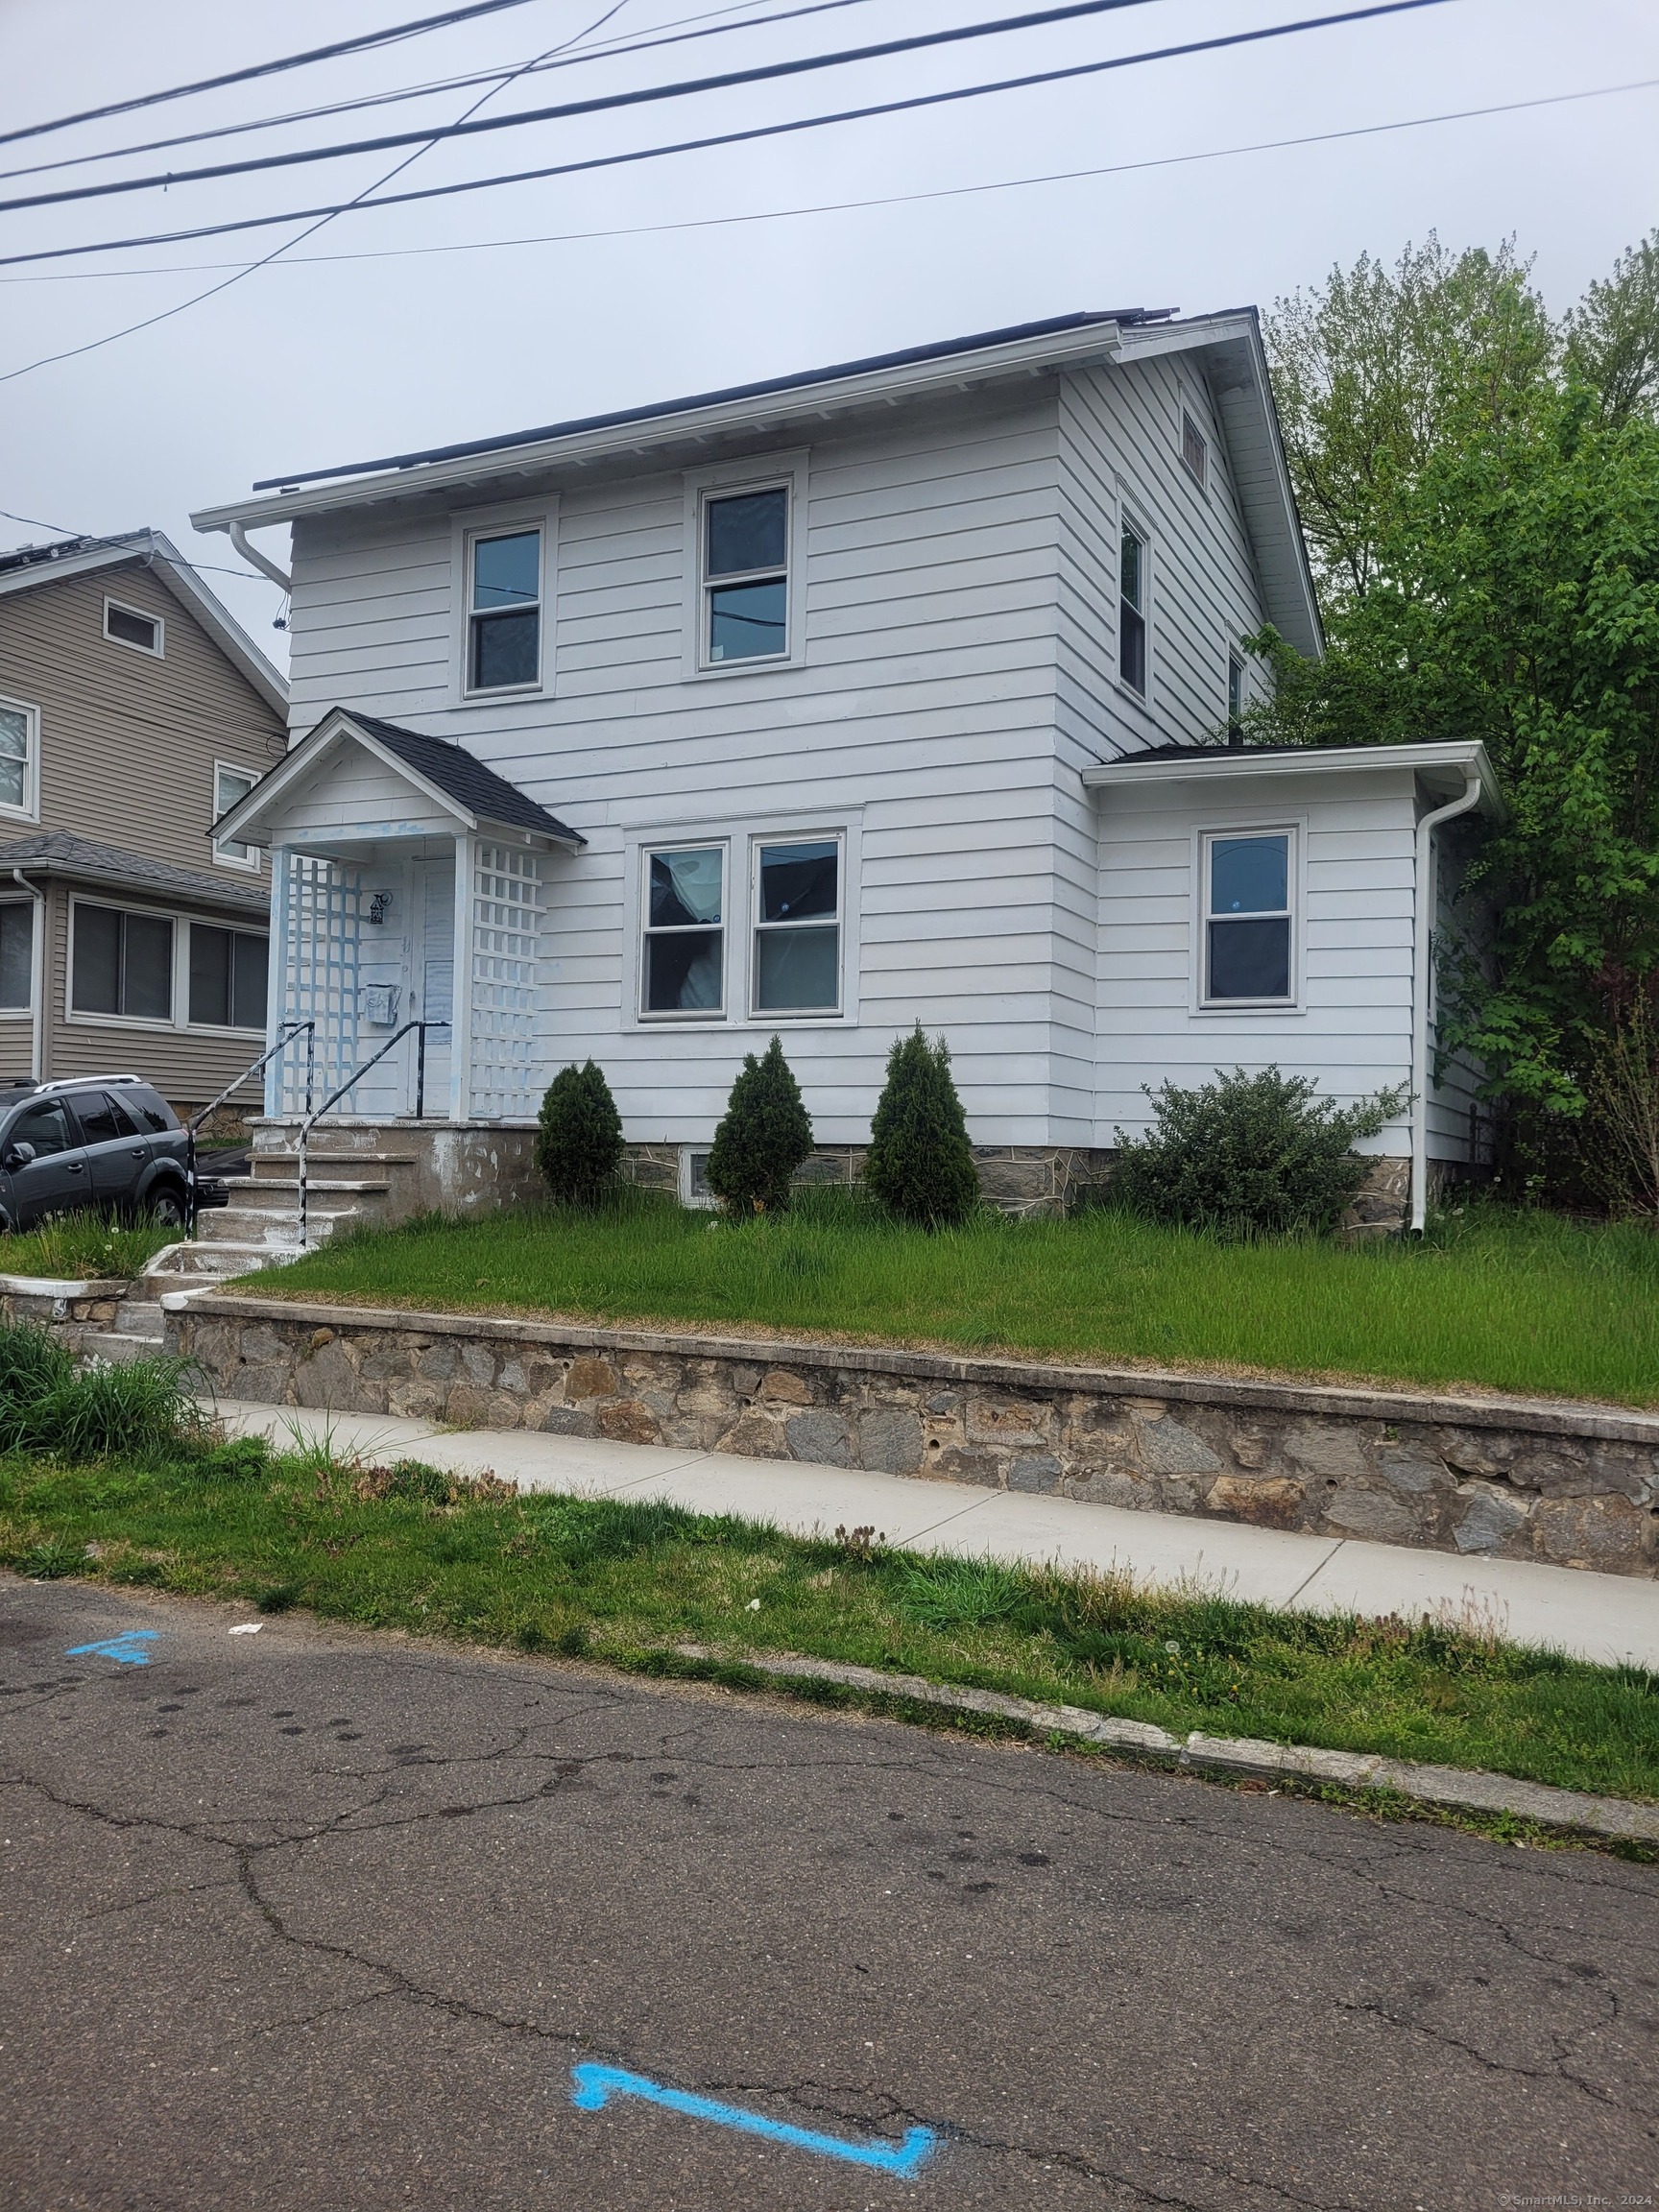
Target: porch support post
x=277 y=981
x=461 y=1007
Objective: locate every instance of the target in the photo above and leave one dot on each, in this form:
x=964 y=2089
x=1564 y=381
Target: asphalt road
x=315 y=1919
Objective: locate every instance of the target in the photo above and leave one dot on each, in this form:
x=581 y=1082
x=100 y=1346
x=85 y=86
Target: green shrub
x=1249 y=1155
x=140 y=1410
x=763 y=1137
x=921 y=1166
x=579 y=1137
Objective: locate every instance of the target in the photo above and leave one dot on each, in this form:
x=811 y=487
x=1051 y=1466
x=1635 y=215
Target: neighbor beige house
x=134 y=711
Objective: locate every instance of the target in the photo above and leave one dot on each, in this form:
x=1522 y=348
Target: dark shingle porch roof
x=464 y=779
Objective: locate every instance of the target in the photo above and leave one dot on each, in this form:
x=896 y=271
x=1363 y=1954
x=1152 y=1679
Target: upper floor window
x=1132 y=609
x=798 y=929
x=684 y=962
x=745 y=587
x=504 y=613
x=230 y=786
x=19 y=728
x=123 y=963
x=1247 y=919
x=130 y=626
x=1194 y=447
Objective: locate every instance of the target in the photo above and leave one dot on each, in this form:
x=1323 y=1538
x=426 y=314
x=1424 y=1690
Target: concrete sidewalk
x=1610 y=1619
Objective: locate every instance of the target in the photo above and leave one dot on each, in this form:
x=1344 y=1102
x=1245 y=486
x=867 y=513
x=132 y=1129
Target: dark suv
x=107 y=1143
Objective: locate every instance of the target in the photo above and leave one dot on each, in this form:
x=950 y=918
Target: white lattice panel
x=506 y=933
x=320 y=960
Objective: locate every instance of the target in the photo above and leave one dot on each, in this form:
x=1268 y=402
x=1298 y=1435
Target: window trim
x=192 y=923
x=1129 y=522
x=1204 y=836
x=465 y=529
x=786 y=472
x=221 y=857
x=155 y=652
x=30 y=809
x=758 y=843
x=654 y=1017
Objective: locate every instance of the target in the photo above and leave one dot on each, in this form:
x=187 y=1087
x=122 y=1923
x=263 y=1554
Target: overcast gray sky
x=368 y=340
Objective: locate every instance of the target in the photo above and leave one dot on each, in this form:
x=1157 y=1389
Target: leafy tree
x=579 y=1135
x=1248 y=1155
x=920 y=1165
x=763 y=1137
x=1613 y=335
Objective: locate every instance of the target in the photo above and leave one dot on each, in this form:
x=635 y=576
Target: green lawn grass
x=411 y=1549
x=84 y=1247
x=1501 y=1298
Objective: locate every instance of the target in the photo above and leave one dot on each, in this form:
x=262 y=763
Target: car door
x=116 y=1152
x=46 y=1163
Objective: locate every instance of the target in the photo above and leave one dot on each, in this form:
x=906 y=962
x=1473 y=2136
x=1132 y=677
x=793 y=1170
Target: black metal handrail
x=290 y=1030
x=358 y=1074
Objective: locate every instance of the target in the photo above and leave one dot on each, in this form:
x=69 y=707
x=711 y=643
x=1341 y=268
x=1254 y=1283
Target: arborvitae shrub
x=921 y=1166
x=763 y=1137
x=1249 y=1155
x=579 y=1137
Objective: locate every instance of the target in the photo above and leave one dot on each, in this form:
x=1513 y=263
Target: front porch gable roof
x=475 y=794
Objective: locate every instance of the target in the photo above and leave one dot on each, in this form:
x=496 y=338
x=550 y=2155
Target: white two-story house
x=900 y=691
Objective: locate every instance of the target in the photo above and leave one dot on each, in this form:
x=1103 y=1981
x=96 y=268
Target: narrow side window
x=797 y=965
x=1247 y=919
x=1132 y=610
x=17 y=955
x=504 y=612
x=745 y=587
x=1194 y=448
x=17 y=746
x=682 y=962
x=230 y=786
x=1235 y=700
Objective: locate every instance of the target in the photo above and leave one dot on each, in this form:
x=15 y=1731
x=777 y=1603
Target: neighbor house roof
x=30 y=566
x=59 y=853
x=1227 y=347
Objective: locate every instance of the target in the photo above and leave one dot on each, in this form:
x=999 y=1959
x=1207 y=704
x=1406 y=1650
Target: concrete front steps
x=137 y=1334
x=260 y=1226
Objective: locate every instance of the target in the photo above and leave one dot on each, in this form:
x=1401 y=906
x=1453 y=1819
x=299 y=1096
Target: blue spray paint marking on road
x=595 y=2085
x=131 y=1649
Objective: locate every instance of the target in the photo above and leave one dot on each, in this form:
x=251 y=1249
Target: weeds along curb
x=1457 y=1789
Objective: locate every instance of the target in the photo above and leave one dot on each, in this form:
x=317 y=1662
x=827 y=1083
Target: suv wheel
x=166 y=1208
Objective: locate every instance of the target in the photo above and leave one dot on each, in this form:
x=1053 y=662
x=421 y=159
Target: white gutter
x=257 y=560
x=1425 y=900
x=37 y=971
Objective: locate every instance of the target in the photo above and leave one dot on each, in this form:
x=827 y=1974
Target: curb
x=1460 y=1789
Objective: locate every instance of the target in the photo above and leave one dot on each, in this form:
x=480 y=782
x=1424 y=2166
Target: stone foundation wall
x=1571 y=1485
x=63 y=1306
x=1037 y=1180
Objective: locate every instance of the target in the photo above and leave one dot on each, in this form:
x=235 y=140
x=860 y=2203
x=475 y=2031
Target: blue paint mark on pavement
x=595 y=2085
x=131 y=1649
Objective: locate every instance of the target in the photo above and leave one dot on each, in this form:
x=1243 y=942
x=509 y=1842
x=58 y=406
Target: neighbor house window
x=16 y=955
x=123 y=963
x=230 y=786
x=1247 y=918
x=127 y=626
x=504 y=612
x=798 y=929
x=18 y=729
x=227 y=977
x=1194 y=447
x=1132 y=609
x=745 y=614
x=685 y=937
x=1235 y=699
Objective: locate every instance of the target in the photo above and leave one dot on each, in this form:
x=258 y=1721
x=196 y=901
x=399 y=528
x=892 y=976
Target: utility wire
x=604 y=50
x=721 y=138
x=603 y=103
x=849 y=206
x=393 y=34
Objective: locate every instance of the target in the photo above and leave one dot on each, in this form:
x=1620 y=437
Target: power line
x=847 y=207
x=603 y=103
x=393 y=34
x=723 y=138
x=605 y=50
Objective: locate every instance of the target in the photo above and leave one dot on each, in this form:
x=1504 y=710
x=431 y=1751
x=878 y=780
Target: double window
x=1248 y=950
x=230 y=786
x=122 y=962
x=744 y=614
x=504 y=612
x=19 y=736
x=794 y=933
x=1132 y=607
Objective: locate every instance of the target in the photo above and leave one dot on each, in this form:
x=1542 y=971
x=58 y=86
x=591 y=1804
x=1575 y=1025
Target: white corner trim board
x=1424 y=879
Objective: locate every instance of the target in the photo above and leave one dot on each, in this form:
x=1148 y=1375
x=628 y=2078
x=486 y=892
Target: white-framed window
x=131 y=627
x=1194 y=449
x=683 y=933
x=694 y=1187
x=1134 y=594
x=1235 y=699
x=16 y=955
x=120 y=963
x=230 y=786
x=19 y=758
x=228 y=971
x=795 y=966
x=504 y=595
x=744 y=552
x=1248 y=947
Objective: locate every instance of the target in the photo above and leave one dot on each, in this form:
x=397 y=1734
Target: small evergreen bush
x=1249 y=1155
x=579 y=1137
x=763 y=1137
x=921 y=1166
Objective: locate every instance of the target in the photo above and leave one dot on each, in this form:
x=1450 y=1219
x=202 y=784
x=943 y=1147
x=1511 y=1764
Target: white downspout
x=36 y=973
x=257 y=560
x=1425 y=900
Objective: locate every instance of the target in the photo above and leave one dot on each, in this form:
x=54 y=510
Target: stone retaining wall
x=63 y=1306
x=1573 y=1486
